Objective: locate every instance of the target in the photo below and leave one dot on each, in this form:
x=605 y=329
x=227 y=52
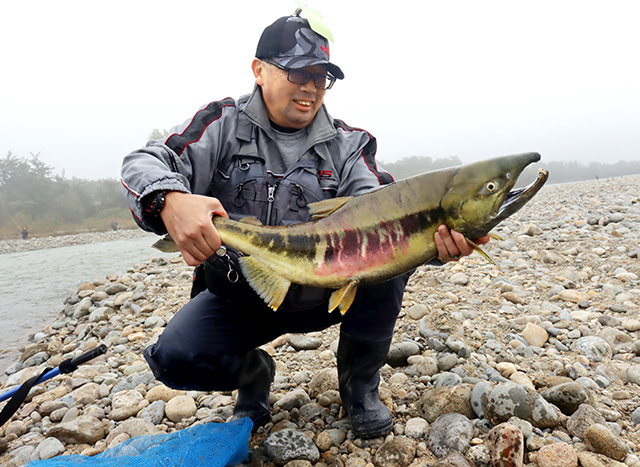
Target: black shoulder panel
x=201 y=120
x=368 y=152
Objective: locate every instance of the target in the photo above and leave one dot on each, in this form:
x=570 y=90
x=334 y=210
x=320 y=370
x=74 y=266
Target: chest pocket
x=247 y=188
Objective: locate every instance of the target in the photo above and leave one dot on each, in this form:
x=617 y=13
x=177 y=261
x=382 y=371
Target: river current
x=35 y=284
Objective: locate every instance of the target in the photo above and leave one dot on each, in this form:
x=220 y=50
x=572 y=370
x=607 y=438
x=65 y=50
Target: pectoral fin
x=267 y=283
x=343 y=297
x=321 y=209
x=166 y=245
x=481 y=251
x=250 y=220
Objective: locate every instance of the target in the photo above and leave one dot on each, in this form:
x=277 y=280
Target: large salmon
x=378 y=235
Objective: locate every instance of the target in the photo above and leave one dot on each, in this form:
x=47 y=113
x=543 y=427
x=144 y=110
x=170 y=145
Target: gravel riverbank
x=537 y=360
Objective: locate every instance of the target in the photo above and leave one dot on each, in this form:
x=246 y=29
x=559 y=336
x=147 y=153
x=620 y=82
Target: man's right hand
x=187 y=218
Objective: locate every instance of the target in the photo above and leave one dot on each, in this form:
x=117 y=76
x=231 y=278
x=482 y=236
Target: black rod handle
x=72 y=364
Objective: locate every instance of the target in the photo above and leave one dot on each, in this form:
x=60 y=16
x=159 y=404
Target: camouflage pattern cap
x=291 y=43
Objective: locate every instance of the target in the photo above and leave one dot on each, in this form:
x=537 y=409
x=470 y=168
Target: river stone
x=416 y=428
x=303 y=342
x=479 y=396
x=455 y=459
x=397 y=452
x=568 y=397
x=506 y=445
x=163 y=393
x=132 y=428
x=322 y=381
x=507 y=400
x=450 y=433
x=125 y=404
x=296 y=398
x=50 y=447
x=600 y=439
x=448 y=399
x=84 y=429
x=534 y=335
x=84 y=395
x=288 y=445
x=115 y=288
x=592 y=459
x=418 y=311
x=154 y=412
x=592 y=347
x=557 y=455
x=400 y=352
x=180 y=407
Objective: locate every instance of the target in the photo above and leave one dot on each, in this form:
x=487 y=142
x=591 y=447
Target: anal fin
x=166 y=245
x=343 y=297
x=267 y=283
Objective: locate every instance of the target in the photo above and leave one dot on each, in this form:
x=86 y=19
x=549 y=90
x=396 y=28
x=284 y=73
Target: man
x=268 y=155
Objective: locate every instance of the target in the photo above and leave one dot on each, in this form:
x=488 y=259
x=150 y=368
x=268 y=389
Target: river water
x=35 y=284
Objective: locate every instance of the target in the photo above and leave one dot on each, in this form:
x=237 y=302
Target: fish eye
x=491 y=187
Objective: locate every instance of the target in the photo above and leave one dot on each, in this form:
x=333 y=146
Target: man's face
x=288 y=104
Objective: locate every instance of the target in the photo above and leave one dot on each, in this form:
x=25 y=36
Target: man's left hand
x=453 y=245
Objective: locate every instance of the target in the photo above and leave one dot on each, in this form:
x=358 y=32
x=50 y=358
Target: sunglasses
x=320 y=80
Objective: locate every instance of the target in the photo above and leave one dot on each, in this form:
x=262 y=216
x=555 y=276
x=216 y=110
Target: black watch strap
x=153 y=204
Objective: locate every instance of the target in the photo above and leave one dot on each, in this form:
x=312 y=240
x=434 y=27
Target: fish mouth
x=515 y=199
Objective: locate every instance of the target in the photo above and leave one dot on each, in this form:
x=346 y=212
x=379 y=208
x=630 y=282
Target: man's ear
x=259 y=69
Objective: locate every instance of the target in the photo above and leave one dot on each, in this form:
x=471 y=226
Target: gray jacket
x=205 y=148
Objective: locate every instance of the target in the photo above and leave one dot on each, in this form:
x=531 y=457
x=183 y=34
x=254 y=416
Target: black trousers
x=204 y=345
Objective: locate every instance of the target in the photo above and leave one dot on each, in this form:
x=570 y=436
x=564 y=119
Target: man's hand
x=452 y=245
x=187 y=218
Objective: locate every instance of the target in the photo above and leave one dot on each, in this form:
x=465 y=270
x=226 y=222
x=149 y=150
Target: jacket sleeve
x=184 y=162
x=360 y=172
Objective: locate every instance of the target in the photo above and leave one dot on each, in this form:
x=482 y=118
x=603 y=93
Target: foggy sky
x=85 y=83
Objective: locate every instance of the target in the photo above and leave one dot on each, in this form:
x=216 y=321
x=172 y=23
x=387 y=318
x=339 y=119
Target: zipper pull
x=271 y=191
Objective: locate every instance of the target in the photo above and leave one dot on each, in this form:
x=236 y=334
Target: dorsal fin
x=323 y=208
x=271 y=286
x=250 y=220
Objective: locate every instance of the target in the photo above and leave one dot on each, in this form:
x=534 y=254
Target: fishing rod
x=19 y=394
x=11 y=217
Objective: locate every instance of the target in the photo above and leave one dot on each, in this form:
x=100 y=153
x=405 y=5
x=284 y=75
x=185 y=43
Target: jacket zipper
x=271 y=191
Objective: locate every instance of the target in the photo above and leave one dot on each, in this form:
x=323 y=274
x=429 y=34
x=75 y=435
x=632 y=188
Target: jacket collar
x=254 y=113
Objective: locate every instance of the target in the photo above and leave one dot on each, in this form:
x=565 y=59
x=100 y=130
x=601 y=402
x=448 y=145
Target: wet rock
x=397 y=452
x=450 y=433
x=288 y=444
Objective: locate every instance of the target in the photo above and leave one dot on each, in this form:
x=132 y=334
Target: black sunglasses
x=320 y=80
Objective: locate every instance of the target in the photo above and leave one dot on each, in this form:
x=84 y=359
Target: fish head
x=480 y=195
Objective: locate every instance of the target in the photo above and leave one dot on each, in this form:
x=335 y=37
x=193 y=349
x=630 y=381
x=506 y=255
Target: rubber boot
x=359 y=362
x=256 y=376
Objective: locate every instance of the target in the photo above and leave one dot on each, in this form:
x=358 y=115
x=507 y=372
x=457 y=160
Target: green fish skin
x=378 y=235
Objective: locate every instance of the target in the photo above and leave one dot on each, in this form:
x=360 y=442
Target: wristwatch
x=153 y=204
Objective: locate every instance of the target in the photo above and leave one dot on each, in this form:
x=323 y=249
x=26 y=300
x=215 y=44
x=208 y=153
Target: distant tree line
x=32 y=196
x=559 y=172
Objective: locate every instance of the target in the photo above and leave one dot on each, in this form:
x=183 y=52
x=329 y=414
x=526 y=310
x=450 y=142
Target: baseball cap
x=291 y=43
